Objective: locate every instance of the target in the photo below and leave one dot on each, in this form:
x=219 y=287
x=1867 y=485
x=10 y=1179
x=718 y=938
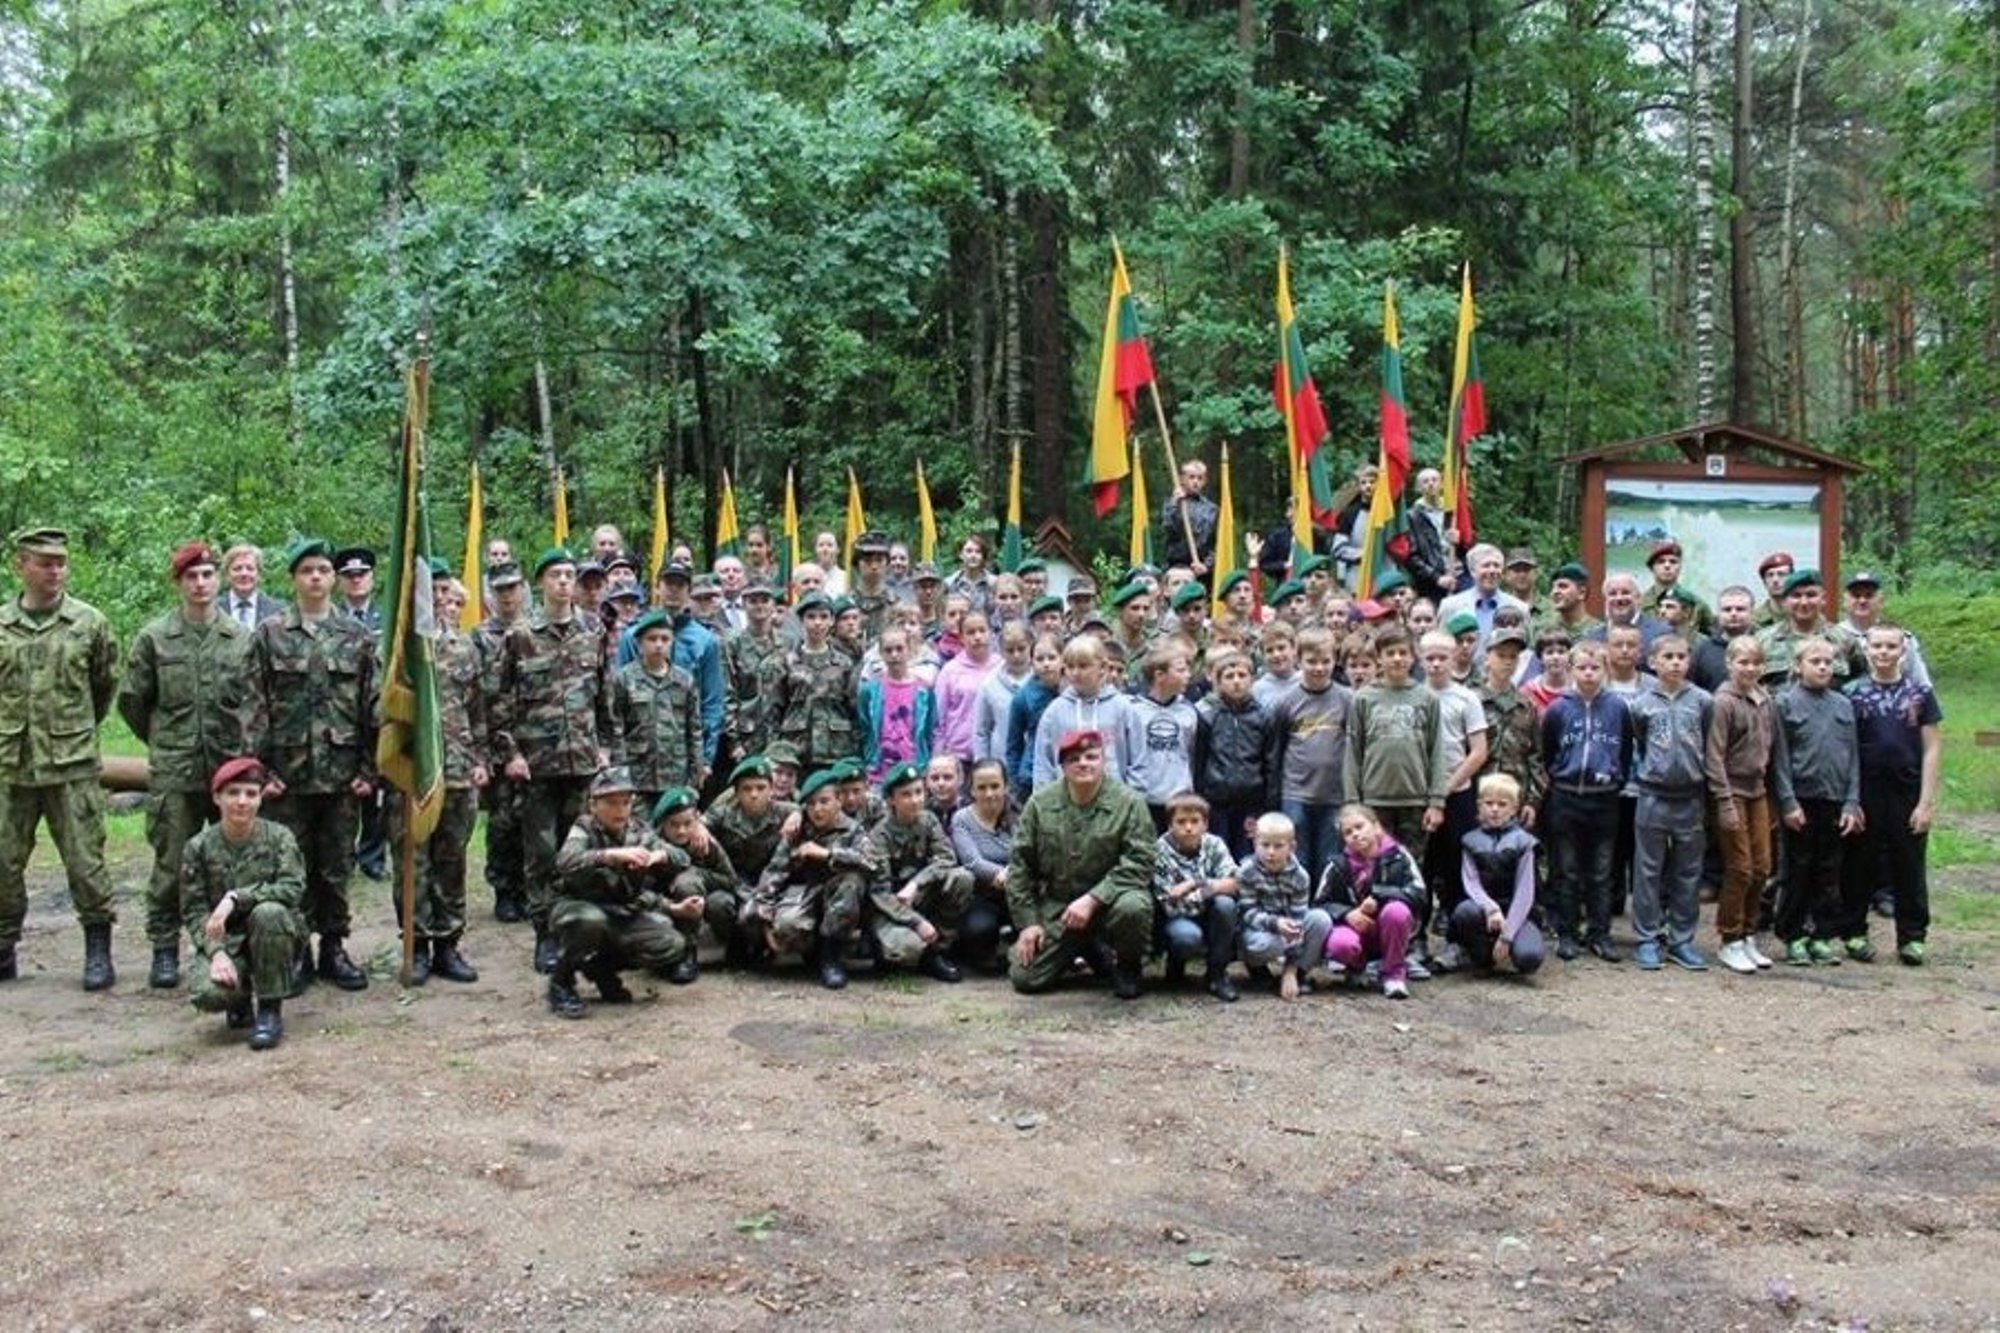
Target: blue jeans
x=1319 y=834
x=1211 y=936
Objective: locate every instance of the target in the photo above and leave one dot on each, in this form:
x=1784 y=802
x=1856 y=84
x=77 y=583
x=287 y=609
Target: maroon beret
x=188 y=556
x=243 y=768
x=1077 y=741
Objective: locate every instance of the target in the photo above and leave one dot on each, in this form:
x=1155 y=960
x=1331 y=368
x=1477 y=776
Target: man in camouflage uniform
x=709 y=876
x=915 y=906
x=553 y=727
x=1513 y=726
x=810 y=692
x=58 y=672
x=659 y=713
x=504 y=856
x=185 y=694
x=241 y=884
x=809 y=898
x=1804 y=618
x=615 y=907
x=354 y=572
x=744 y=656
x=1081 y=876
x=439 y=862
x=747 y=822
x=872 y=596
x=313 y=721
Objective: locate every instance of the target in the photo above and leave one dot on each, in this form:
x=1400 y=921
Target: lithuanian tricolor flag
x=1388 y=521
x=1010 y=535
x=1124 y=367
x=1305 y=422
x=1468 y=416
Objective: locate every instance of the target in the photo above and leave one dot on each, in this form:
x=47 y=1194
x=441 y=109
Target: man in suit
x=245 y=602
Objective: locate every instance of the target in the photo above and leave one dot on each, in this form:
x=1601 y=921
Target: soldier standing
x=185 y=694
x=509 y=602
x=916 y=904
x=810 y=692
x=313 y=683
x=58 y=671
x=744 y=655
x=871 y=593
x=241 y=883
x=553 y=727
x=658 y=713
x=355 y=569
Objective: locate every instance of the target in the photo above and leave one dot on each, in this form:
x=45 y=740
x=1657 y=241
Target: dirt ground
x=1596 y=1148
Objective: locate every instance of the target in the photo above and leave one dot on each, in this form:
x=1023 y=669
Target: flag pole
x=408 y=874
x=1167 y=439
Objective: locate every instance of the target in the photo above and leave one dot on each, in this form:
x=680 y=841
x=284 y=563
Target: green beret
x=1140 y=571
x=1462 y=622
x=652 y=620
x=842 y=605
x=902 y=775
x=672 y=801
x=555 y=555
x=813 y=601
x=1044 y=605
x=1312 y=564
x=1032 y=566
x=1804 y=578
x=439 y=566
x=1390 y=580
x=848 y=770
x=1680 y=596
x=1128 y=592
x=612 y=781
x=1231 y=581
x=1572 y=571
x=818 y=782
x=306 y=548
x=1188 y=594
x=782 y=754
x=41 y=541
x=756 y=766
x=1286 y=591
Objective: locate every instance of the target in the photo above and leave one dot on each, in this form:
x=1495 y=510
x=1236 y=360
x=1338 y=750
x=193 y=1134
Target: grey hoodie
x=1110 y=713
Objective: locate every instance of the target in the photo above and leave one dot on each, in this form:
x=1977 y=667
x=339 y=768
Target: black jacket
x=1236 y=753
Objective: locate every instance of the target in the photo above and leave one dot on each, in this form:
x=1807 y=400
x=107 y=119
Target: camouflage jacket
x=552 y=698
x=904 y=850
x=743 y=660
x=811 y=701
x=749 y=843
x=850 y=855
x=1781 y=647
x=874 y=609
x=313 y=702
x=462 y=706
x=660 y=720
x=1514 y=741
x=57 y=678
x=709 y=873
x=581 y=871
x=265 y=868
x=186 y=694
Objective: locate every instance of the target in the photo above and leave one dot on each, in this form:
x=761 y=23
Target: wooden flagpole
x=408 y=874
x=1167 y=439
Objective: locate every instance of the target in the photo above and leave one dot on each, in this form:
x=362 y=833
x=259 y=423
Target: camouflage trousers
x=593 y=936
x=805 y=912
x=1125 y=924
x=548 y=807
x=172 y=817
x=943 y=894
x=439 y=865
x=503 y=839
x=721 y=909
x=324 y=825
x=75 y=814
x=262 y=955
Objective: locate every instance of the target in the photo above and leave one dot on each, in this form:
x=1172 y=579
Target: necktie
x=246 y=614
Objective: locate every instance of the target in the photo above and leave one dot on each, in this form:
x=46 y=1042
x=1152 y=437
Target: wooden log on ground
x=124 y=772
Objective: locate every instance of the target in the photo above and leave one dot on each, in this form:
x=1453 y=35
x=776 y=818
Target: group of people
x=1270 y=777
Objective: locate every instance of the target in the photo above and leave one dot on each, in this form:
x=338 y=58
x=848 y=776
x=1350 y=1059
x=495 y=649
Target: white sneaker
x=1751 y=951
x=1735 y=957
x=1396 y=989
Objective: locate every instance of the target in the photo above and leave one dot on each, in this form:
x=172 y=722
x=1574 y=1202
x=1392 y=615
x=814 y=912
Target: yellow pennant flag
x=857 y=518
x=1142 y=517
x=926 y=519
x=1225 y=533
x=790 y=549
x=728 y=537
x=474 y=613
x=562 y=508
x=656 y=558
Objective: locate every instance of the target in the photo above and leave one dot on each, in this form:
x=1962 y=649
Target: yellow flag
x=1142 y=517
x=657 y=557
x=790 y=550
x=475 y=557
x=857 y=518
x=1225 y=533
x=926 y=519
x=728 y=537
x=562 y=508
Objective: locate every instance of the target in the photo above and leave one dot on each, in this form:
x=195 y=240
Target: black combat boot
x=337 y=967
x=546 y=949
x=1125 y=982
x=302 y=965
x=686 y=970
x=166 y=973
x=611 y=988
x=10 y=969
x=237 y=1016
x=935 y=965
x=832 y=971
x=564 y=1002
x=98 y=973
x=1222 y=986
x=268 y=1028
x=449 y=964
x=509 y=908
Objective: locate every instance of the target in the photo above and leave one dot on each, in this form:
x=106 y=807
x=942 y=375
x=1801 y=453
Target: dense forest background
x=760 y=232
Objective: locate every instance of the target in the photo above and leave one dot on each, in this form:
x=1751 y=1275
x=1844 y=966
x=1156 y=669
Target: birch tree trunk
x=1789 y=278
x=1701 y=284
x=1743 y=353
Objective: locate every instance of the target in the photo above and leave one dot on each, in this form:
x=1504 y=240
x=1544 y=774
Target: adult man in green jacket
x=185 y=693
x=1081 y=874
x=58 y=671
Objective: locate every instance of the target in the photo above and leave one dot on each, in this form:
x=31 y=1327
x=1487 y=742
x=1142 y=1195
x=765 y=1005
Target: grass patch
x=1965 y=911
x=1954 y=847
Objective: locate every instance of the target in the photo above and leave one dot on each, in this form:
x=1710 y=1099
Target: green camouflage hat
x=615 y=780
x=40 y=541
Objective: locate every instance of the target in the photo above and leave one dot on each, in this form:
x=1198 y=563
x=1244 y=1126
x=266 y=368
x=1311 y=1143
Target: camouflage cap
x=549 y=559
x=707 y=585
x=40 y=541
x=1522 y=557
x=622 y=560
x=758 y=587
x=504 y=574
x=926 y=573
x=672 y=801
x=615 y=780
x=307 y=548
x=1507 y=638
x=782 y=754
x=902 y=775
x=871 y=542
x=1081 y=585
